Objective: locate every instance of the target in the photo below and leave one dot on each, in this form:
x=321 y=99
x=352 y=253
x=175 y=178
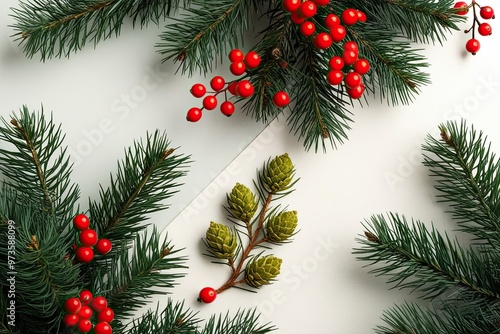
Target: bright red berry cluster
x=88 y=239
x=347 y=68
x=84 y=310
x=483 y=28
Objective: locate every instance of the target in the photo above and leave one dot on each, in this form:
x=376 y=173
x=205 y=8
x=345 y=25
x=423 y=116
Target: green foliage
x=461 y=282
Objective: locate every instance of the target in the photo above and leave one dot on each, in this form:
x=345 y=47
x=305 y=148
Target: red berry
x=106 y=315
x=207 y=295
x=361 y=16
x=236 y=55
x=85 y=297
x=352 y=80
x=322 y=40
x=463 y=6
x=351 y=45
x=291 y=5
x=335 y=77
x=473 y=45
x=349 y=16
x=338 y=33
x=81 y=222
x=102 y=328
x=484 y=29
x=307 y=28
x=85 y=312
x=72 y=305
x=308 y=9
x=362 y=66
x=194 y=114
x=198 y=90
x=336 y=63
x=244 y=89
x=103 y=246
x=232 y=88
x=332 y=20
x=217 y=83
x=84 y=325
x=487 y=13
x=88 y=237
x=357 y=92
x=71 y=320
x=321 y=2
x=349 y=57
x=227 y=108
x=281 y=99
x=252 y=59
x=84 y=254
x=210 y=102
x=296 y=18
x=237 y=68
x=99 y=303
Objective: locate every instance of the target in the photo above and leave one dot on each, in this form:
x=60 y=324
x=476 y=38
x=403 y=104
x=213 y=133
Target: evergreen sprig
x=461 y=281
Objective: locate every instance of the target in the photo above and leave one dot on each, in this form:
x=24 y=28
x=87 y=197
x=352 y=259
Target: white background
x=323 y=289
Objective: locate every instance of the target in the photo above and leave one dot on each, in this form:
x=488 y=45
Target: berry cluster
x=350 y=75
x=88 y=239
x=82 y=311
x=483 y=28
x=240 y=63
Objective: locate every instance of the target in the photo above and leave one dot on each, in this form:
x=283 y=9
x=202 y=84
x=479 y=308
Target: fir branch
x=244 y=322
x=467 y=178
x=38 y=164
x=58 y=28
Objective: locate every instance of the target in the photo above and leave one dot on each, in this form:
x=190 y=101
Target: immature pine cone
x=221 y=241
x=282 y=226
x=278 y=173
x=242 y=202
x=262 y=270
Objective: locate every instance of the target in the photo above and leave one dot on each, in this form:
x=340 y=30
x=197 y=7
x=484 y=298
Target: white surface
x=322 y=289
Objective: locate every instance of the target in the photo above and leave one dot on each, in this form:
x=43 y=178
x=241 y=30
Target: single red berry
x=88 y=237
x=352 y=80
x=296 y=18
x=291 y=5
x=210 y=102
x=217 y=83
x=308 y=9
x=232 y=88
x=198 y=90
x=322 y=40
x=335 y=77
x=338 y=33
x=331 y=21
x=361 y=16
x=81 y=222
x=84 y=325
x=484 y=29
x=244 y=89
x=362 y=66
x=307 y=28
x=85 y=312
x=281 y=99
x=106 y=315
x=103 y=246
x=99 y=303
x=102 y=328
x=227 y=108
x=236 y=55
x=473 y=46
x=72 y=305
x=336 y=63
x=487 y=12
x=321 y=2
x=194 y=114
x=71 y=320
x=85 y=297
x=349 y=57
x=252 y=59
x=84 y=254
x=207 y=295
x=351 y=45
x=237 y=68
x=357 y=92
x=349 y=16
x=463 y=6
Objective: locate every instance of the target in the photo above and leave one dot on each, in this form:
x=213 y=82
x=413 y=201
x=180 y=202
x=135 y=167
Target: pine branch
x=467 y=178
x=38 y=165
x=58 y=28
x=244 y=322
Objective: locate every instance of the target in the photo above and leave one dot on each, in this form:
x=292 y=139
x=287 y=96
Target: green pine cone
x=221 y=241
x=242 y=203
x=262 y=270
x=278 y=173
x=282 y=226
